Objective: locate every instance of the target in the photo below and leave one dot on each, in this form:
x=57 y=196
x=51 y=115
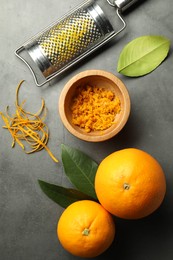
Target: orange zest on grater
x=72 y=38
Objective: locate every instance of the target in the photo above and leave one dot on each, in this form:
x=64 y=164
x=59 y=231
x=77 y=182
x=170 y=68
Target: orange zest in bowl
x=94 y=108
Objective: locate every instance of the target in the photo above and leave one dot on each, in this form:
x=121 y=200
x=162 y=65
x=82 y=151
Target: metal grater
x=68 y=39
x=71 y=38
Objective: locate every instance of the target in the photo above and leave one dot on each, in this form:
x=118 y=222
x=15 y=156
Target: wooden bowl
x=97 y=78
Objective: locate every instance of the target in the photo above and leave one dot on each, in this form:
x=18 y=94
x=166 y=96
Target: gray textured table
x=28 y=218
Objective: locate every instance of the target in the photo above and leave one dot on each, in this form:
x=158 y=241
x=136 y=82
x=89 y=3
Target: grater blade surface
x=70 y=38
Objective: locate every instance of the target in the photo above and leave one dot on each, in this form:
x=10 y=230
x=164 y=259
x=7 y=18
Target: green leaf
x=61 y=195
x=80 y=169
x=143 y=55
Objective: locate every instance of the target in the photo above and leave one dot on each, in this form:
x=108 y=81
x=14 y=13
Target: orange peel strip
x=28 y=127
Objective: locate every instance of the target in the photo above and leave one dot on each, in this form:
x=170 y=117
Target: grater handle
x=121 y=4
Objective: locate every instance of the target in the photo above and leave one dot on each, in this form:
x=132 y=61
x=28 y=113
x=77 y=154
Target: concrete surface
x=28 y=218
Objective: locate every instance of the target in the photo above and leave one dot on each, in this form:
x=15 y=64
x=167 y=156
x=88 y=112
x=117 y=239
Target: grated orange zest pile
x=27 y=127
x=95 y=108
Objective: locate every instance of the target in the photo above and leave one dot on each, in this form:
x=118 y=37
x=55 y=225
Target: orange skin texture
x=130 y=184
x=86 y=229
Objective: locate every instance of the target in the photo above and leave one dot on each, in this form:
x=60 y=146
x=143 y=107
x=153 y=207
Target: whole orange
x=130 y=183
x=86 y=229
